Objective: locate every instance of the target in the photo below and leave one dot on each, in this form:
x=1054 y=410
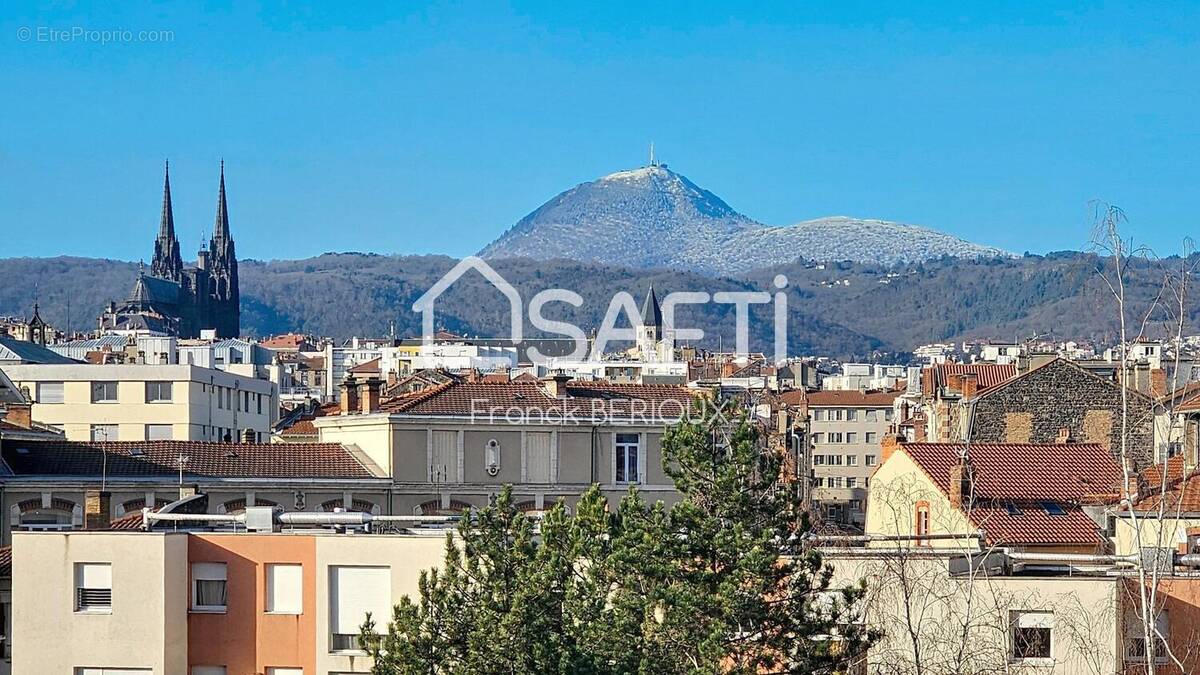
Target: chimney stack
x=19 y=415
x=970 y=385
x=369 y=395
x=961 y=475
x=888 y=445
x=349 y=395
x=97 y=509
x=954 y=382
x=249 y=435
x=556 y=384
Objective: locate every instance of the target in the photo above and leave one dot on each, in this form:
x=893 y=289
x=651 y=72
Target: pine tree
x=717 y=583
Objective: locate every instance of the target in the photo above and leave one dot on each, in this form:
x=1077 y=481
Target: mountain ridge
x=654 y=217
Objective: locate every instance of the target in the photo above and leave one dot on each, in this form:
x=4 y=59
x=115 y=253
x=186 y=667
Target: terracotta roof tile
x=1014 y=483
x=987 y=375
x=160 y=458
x=583 y=399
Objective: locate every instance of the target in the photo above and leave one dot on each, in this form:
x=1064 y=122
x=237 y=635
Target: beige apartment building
x=455 y=445
x=143 y=402
x=207 y=602
x=845 y=428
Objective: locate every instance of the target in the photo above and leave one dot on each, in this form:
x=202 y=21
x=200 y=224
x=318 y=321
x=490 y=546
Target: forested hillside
x=839 y=309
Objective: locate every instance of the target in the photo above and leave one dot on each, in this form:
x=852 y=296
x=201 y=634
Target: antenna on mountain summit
x=653 y=162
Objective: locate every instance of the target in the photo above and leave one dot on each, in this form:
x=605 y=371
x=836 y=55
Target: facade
x=58 y=485
x=170 y=603
x=454 y=445
x=845 y=432
x=179 y=300
x=147 y=402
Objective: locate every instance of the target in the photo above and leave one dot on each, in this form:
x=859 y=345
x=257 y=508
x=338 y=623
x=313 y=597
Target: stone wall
x=1034 y=407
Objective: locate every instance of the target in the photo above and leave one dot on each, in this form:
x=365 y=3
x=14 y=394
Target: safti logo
x=621 y=303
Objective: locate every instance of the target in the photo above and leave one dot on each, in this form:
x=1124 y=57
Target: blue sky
x=431 y=128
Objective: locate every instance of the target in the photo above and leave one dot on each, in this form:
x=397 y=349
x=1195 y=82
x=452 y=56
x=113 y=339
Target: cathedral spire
x=166 y=223
x=167 y=263
x=221 y=227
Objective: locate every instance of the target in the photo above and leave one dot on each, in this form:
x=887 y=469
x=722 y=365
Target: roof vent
x=230 y=454
x=22 y=451
x=137 y=452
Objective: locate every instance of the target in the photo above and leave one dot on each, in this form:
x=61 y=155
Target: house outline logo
x=425 y=303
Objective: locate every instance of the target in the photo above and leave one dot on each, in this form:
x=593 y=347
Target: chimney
x=888 y=445
x=1158 y=382
x=249 y=435
x=954 y=382
x=97 y=509
x=960 y=484
x=368 y=395
x=349 y=395
x=556 y=384
x=1064 y=436
x=970 y=385
x=19 y=415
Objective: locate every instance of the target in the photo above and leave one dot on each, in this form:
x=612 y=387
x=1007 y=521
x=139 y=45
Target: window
x=208 y=670
x=259 y=400
x=818 y=460
x=50 y=392
x=834 y=460
x=869 y=460
x=871 y=437
x=1135 y=638
x=93 y=587
x=818 y=438
x=104 y=392
x=355 y=592
x=851 y=460
x=105 y=432
x=208 y=587
x=443 y=465
x=627 y=452
x=852 y=437
x=285 y=589
x=537 y=457
x=1032 y=636
x=887 y=414
x=159 y=432
x=836 y=414
x=835 y=481
x=921 y=523
x=158 y=392
x=872 y=415
x=818 y=415
x=856 y=505
x=835 y=437
x=851 y=415
x=818 y=482
x=285 y=671
x=851 y=482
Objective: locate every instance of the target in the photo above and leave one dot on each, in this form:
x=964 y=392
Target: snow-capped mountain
x=654 y=217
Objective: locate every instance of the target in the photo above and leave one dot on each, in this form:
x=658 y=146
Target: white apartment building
x=845 y=432
x=135 y=402
x=865 y=376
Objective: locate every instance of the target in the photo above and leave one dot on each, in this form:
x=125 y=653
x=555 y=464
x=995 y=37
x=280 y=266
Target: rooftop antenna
x=653 y=162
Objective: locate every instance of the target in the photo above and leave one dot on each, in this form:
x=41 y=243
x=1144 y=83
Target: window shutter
x=356 y=591
x=537 y=467
x=95 y=575
x=285 y=589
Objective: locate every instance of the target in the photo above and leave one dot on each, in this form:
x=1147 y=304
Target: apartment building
x=145 y=402
x=845 y=429
x=58 y=485
x=453 y=445
x=207 y=602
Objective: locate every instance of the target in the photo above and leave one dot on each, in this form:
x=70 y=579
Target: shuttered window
x=285 y=589
x=50 y=392
x=537 y=457
x=208 y=586
x=443 y=465
x=355 y=592
x=93 y=587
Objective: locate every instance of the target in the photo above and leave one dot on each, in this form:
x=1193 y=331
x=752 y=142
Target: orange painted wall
x=245 y=639
x=1180 y=597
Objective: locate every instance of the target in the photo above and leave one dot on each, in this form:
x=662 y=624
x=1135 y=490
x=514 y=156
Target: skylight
x=1053 y=509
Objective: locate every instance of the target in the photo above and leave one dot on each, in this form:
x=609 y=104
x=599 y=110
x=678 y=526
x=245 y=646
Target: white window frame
x=43 y=399
x=103 y=384
x=639 y=461
x=1019 y=619
x=170 y=429
x=100 y=574
x=1135 y=636
x=158 y=384
x=270 y=582
x=209 y=571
